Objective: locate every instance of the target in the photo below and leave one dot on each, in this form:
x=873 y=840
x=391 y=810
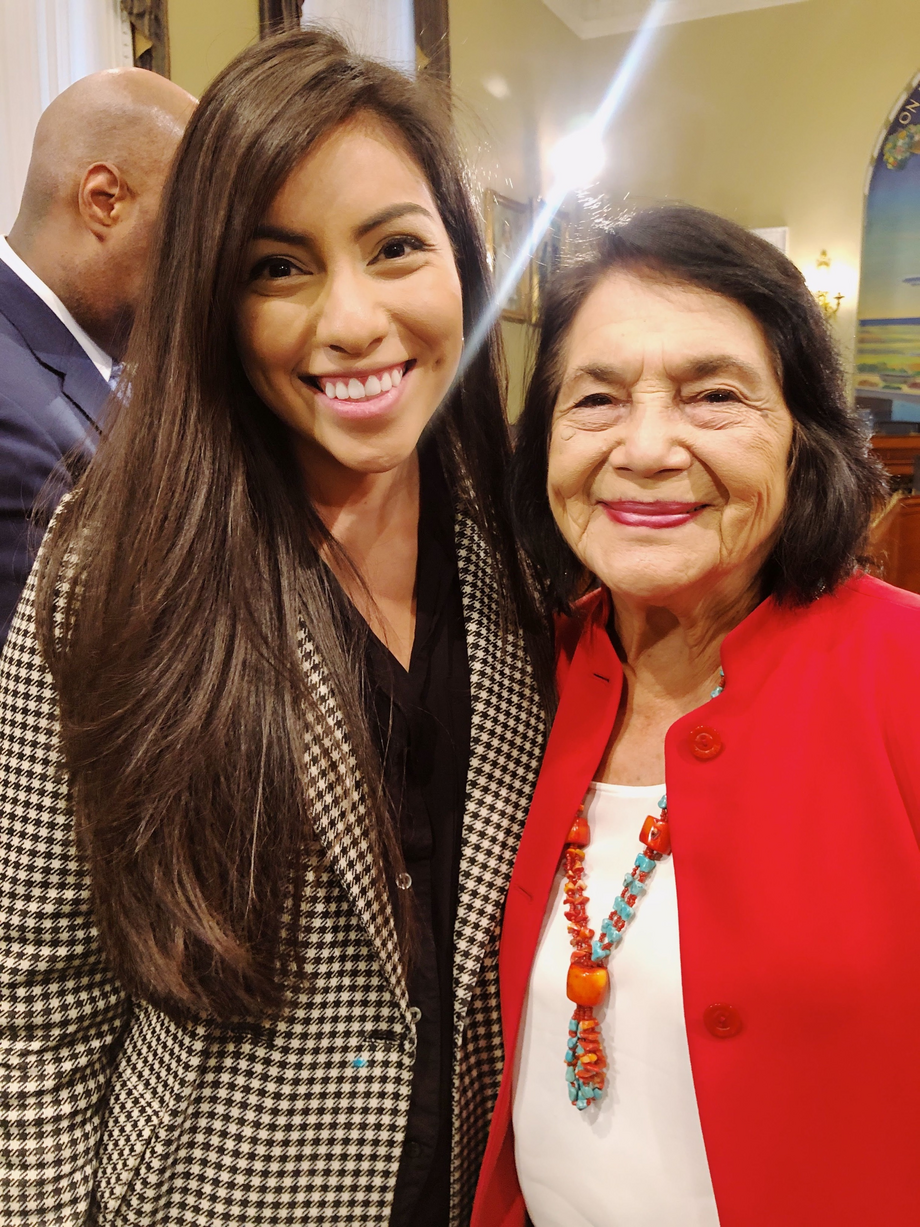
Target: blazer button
x=705 y=742
x=722 y=1021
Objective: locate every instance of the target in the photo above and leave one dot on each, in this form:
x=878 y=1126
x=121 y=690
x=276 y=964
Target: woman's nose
x=351 y=319
x=651 y=439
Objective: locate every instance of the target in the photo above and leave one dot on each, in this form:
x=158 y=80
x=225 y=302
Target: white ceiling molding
x=595 y=18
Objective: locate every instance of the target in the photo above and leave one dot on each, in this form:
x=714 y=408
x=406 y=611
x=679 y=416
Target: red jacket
x=798 y=880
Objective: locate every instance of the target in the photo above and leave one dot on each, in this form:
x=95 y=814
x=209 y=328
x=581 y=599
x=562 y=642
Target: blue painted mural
x=888 y=341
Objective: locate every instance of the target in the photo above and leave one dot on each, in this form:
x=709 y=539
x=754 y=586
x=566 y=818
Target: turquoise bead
x=623 y=908
x=572 y=1041
x=643 y=863
x=633 y=885
x=358 y=1063
x=573 y=1093
x=663 y=803
x=714 y=694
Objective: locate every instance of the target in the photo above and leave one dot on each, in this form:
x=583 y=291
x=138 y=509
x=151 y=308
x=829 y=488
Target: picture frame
x=549 y=256
x=507 y=227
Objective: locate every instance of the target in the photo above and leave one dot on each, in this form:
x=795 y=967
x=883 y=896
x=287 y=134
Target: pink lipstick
x=360 y=395
x=655 y=513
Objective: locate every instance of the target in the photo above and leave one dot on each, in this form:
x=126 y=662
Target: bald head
x=100 y=157
x=128 y=117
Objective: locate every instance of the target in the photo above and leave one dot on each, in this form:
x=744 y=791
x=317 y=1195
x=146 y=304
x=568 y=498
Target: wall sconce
x=821 y=285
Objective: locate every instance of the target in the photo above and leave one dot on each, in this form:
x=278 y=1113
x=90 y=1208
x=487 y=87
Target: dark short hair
x=834 y=484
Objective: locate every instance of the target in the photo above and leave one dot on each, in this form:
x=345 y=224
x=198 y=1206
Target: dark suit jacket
x=51 y=402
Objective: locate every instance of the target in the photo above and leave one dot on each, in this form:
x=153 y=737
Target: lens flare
x=578 y=159
x=586 y=143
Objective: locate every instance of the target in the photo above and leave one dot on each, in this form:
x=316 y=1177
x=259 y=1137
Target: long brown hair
x=175 y=583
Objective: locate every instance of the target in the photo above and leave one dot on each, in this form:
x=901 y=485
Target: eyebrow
x=597 y=371
x=704 y=368
x=721 y=364
x=294 y=238
x=390 y=214
x=279 y=234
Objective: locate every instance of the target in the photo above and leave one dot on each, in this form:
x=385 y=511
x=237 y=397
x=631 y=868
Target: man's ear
x=103 y=196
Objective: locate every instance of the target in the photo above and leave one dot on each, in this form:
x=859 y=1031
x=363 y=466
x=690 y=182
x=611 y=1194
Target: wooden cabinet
x=896 y=543
x=896 y=535
x=897 y=453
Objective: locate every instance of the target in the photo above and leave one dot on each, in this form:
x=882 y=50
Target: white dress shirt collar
x=99 y=358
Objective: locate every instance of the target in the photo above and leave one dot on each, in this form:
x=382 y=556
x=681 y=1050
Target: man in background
x=71 y=272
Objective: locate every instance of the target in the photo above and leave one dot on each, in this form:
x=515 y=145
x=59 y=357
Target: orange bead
x=655 y=835
x=579 y=833
x=586 y=985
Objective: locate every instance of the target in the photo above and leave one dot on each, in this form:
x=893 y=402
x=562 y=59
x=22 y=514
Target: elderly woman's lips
x=652 y=514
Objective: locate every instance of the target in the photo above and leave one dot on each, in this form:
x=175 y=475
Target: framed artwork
x=149 y=34
x=432 y=38
x=548 y=258
x=507 y=228
x=278 y=15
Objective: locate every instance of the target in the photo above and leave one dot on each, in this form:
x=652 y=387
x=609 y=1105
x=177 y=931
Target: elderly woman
x=737 y=746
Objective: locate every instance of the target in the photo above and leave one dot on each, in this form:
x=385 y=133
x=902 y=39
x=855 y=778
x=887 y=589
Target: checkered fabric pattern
x=115 y=1116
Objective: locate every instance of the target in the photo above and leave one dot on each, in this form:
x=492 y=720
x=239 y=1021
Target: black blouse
x=422 y=722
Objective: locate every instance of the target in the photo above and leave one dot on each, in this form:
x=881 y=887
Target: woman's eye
x=719 y=396
x=594 y=400
x=398 y=248
x=275 y=268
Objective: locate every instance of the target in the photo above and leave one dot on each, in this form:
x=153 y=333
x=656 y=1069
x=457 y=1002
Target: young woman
x=269 y=722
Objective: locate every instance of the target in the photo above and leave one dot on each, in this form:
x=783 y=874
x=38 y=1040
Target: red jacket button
x=722 y=1021
x=705 y=742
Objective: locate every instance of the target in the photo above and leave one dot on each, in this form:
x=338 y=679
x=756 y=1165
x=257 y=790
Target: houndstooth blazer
x=113 y=1115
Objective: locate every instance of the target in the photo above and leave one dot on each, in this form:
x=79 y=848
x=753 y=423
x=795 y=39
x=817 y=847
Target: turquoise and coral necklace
x=588 y=979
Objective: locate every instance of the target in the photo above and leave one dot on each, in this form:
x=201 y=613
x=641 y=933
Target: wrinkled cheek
x=753 y=526
x=572 y=516
x=769 y=511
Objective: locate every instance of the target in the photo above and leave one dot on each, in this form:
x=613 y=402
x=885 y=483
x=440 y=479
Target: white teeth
x=354 y=389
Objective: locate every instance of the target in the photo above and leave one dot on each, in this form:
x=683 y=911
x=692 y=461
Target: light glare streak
x=597 y=125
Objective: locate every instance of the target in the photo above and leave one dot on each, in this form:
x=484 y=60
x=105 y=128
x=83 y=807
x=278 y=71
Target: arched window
x=888 y=341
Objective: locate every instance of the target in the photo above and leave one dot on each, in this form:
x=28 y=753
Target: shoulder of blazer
x=856 y=627
x=42 y=360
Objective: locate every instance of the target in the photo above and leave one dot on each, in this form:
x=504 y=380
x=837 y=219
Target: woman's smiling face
x=349 y=321
x=670 y=441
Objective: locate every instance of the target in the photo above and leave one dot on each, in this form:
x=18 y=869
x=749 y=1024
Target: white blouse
x=637 y=1159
